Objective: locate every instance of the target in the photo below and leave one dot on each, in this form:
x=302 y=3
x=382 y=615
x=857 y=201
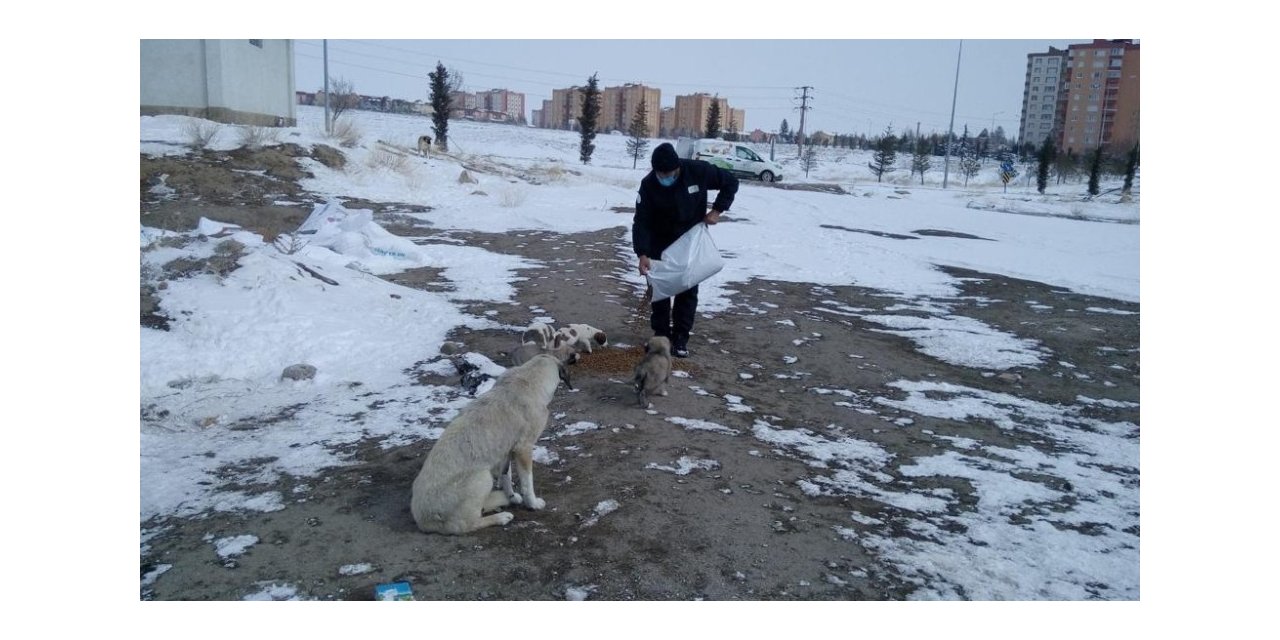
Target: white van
x=739 y=159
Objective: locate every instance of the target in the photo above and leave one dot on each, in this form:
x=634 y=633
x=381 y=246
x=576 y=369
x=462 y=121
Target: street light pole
x=328 y=126
x=951 y=129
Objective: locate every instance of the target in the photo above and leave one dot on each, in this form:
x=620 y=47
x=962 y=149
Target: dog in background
x=424 y=144
x=539 y=333
x=653 y=371
x=582 y=335
x=456 y=484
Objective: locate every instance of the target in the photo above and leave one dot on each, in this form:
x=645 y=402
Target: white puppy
x=563 y=352
x=456 y=484
x=539 y=333
x=582 y=335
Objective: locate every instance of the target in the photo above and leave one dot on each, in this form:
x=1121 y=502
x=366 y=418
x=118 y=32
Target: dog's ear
x=559 y=341
x=600 y=338
x=564 y=375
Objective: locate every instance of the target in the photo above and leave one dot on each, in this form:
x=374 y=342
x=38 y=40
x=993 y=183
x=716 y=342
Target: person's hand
x=712 y=217
x=644 y=265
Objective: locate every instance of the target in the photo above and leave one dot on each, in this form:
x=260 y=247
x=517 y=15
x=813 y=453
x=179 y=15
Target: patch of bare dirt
x=736 y=527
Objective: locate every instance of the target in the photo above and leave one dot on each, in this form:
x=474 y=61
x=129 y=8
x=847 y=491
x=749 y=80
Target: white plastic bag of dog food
x=685 y=264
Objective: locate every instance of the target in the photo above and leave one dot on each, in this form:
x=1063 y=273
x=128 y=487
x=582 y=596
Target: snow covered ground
x=211 y=372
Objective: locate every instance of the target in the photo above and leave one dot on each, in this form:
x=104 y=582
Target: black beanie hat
x=665 y=158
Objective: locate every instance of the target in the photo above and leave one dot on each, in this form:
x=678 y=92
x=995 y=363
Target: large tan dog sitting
x=456 y=483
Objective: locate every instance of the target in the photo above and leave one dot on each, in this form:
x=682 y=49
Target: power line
x=856 y=108
x=441 y=58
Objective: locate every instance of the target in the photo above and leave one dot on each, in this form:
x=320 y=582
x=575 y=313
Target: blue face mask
x=667 y=181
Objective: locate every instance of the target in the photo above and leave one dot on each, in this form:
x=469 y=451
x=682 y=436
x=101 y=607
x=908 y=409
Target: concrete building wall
x=234 y=81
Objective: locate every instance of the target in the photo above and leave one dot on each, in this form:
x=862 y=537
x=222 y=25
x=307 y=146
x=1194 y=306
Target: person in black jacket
x=672 y=200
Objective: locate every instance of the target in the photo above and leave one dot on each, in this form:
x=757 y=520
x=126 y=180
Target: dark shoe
x=680 y=351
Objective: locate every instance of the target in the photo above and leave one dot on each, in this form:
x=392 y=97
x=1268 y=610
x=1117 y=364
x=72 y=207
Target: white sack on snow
x=353 y=232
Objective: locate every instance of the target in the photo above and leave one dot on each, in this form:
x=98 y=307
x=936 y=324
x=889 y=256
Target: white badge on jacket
x=693 y=188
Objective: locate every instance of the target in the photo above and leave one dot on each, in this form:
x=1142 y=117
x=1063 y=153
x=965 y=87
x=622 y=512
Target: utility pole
x=328 y=126
x=804 y=106
x=951 y=128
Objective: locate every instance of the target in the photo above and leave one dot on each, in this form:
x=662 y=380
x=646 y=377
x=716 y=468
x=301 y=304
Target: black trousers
x=675 y=325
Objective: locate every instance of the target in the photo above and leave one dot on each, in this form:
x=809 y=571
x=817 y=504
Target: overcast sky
x=858 y=86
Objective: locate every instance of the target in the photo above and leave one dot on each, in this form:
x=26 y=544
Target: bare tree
x=342 y=96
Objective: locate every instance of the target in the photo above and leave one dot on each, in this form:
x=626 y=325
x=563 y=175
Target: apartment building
x=503 y=101
x=618 y=107
x=1040 y=92
x=691 y=114
x=667 y=122
x=461 y=103
x=1099 y=101
x=566 y=108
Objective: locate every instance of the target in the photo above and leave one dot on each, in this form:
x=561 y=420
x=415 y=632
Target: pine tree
x=639 y=132
x=1095 y=172
x=1046 y=157
x=920 y=161
x=1130 y=169
x=590 y=117
x=970 y=163
x=784 y=132
x=882 y=162
x=809 y=160
x=440 y=103
x=713 y=119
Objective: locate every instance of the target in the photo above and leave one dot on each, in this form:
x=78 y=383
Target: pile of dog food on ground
x=615 y=361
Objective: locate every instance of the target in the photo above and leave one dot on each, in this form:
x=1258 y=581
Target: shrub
x=512 y=197
x=253 y=136
x=288 y=244
x=388 y=160
x=346 y=133
x=199 y=133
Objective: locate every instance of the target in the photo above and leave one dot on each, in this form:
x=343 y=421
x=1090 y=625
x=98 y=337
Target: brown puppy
x=653 y=371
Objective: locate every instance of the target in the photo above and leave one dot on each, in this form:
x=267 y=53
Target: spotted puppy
x=580 y=336
x=539 y=333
